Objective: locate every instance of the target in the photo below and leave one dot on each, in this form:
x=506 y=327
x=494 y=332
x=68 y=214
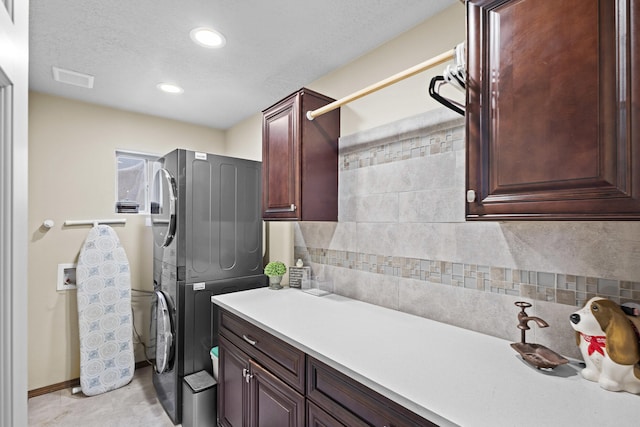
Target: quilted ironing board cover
x=104 y=313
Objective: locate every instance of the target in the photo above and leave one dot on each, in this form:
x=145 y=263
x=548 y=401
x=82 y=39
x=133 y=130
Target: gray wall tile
x=402 y=241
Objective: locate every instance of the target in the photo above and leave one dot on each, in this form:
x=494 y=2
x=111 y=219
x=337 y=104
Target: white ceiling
x=273 y=48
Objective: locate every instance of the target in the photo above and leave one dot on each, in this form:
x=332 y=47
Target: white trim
x=150 y=160
x=94 y=222
x=14 y=213
x=6 y=264
x=8 y=5
x=13 y=281
x=151 y=156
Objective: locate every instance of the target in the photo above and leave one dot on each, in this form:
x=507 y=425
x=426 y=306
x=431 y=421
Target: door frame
x=14 y=189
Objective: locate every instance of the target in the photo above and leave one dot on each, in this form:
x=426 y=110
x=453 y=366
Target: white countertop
x=449 y=375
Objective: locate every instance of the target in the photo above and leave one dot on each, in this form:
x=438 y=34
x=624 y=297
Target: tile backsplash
x=402 y=241
x=536 y=285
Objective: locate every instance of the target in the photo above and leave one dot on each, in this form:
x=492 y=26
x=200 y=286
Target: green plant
x=275 y=268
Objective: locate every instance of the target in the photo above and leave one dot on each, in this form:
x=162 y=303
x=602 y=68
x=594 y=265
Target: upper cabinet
x=553 y=109
x=300 y=160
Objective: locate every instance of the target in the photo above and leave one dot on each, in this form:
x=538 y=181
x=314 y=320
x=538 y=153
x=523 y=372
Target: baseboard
x=68 y=384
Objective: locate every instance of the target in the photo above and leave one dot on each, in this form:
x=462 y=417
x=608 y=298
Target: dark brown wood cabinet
x=318 y=417
x=261 y=379
x=300 y=160
x=252 y=396
x=233 y=390
x=351 y=403
x=284 y=360
x=553 y=109
x=272 y=402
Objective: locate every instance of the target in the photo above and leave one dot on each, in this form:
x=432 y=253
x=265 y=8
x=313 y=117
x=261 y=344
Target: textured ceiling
x=273 y=48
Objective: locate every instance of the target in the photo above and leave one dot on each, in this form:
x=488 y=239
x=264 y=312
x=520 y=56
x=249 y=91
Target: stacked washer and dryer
x=207 y=227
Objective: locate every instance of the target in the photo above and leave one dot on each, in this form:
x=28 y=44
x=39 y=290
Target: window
x=135 y=173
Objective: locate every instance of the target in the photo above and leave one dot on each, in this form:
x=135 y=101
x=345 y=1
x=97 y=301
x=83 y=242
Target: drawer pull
x=291 y=208
x=249 y=340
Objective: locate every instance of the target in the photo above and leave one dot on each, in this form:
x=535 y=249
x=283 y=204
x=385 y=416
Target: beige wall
x=244 y=140
x=72 y=176
x=72 y=170
x=406 y=98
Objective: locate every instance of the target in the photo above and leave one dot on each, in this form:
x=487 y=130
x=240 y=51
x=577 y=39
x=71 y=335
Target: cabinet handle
x=249 y=340
x=471 y=196
x=246 y=374
x=291 y=208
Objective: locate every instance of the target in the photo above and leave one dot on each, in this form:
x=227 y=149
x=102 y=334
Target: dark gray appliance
x=205 y=213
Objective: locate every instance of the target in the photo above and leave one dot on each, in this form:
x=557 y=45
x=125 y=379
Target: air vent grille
x=72 y=78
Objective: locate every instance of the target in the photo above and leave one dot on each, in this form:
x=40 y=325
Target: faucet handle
x=522 y=304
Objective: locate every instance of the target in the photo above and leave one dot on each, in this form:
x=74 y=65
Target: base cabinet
x=249 y=395
x=233 y=390
x=265 y=382
x=318 y=417
x=272 y=402
x=352 y=404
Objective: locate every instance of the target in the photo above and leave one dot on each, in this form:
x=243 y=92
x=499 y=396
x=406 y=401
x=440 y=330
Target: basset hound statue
x=609 y=344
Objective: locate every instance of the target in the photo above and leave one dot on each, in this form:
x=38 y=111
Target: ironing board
x=104 y=313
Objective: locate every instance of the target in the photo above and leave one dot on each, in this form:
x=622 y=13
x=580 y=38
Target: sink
x=539 y=355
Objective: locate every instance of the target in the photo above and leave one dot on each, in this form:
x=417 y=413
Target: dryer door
x=164 y=334
x=163 y=208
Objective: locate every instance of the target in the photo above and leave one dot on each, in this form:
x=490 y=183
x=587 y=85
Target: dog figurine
x=609 y=345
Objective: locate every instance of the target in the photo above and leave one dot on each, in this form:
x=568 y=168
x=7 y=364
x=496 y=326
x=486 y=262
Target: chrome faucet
x=524 y=318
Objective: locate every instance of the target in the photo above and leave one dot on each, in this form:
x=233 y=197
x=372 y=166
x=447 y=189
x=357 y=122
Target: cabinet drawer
x=343 y=397
x=317 y=417
x=277 y=356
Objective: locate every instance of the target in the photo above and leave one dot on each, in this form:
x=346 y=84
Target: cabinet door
x=552 y=112
x=272 y=402
x=233 y=391
x=317 y=417
x=300 y=159
x=280 y=160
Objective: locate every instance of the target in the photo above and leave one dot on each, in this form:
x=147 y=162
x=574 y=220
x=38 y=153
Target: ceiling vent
x=72 y=78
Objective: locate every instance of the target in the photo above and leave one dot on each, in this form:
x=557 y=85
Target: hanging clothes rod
x=148 y=293
x=95 y=222
x=423 y=66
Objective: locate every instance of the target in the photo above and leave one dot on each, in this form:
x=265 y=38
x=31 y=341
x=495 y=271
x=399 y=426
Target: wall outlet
x=66 y=277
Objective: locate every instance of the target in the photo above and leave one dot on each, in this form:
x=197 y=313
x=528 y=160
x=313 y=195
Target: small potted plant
x=275 y=270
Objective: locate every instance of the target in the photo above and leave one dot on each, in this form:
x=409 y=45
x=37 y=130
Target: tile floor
x=134 y=405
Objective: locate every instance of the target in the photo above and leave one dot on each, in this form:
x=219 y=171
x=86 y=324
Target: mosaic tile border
x=565 y=289
x=434 y=143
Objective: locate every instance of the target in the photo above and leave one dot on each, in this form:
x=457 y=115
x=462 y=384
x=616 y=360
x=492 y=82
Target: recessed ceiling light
x=207 y=37
x=169 y=88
